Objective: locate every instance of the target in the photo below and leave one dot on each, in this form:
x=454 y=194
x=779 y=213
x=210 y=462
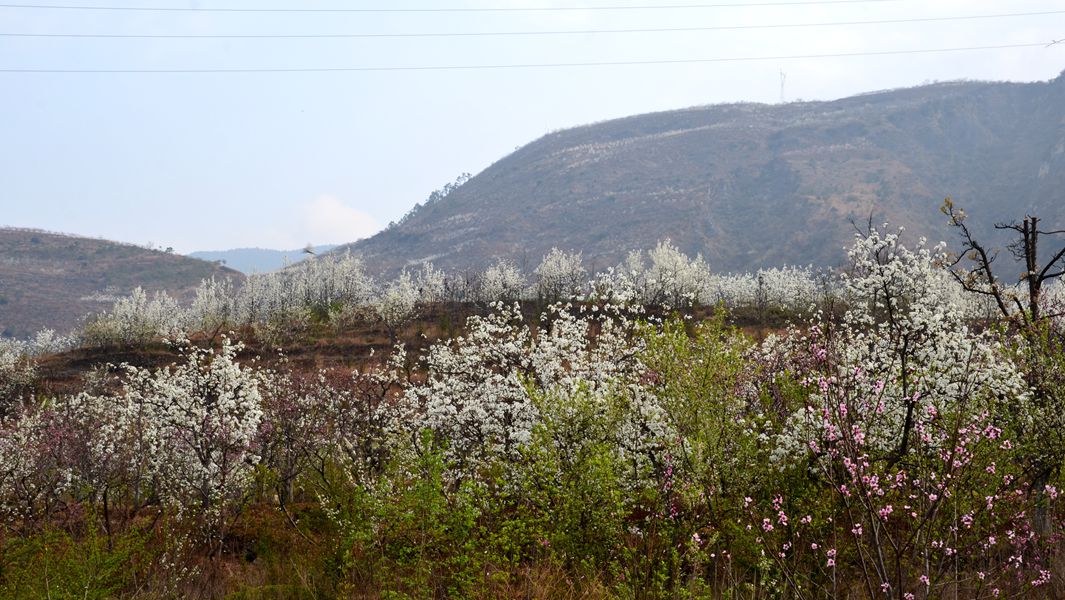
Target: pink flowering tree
x=903 y=424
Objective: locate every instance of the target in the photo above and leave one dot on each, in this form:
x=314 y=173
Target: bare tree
x=1042 y=355
x=981 y=279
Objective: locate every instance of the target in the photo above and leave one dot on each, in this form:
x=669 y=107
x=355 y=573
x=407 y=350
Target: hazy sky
x=202 y=161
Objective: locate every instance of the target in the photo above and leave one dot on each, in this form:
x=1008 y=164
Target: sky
x=280 y=159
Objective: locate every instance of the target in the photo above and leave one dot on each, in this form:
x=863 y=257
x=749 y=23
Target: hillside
x=53 y=280
x=751 y=185
x=257 y=260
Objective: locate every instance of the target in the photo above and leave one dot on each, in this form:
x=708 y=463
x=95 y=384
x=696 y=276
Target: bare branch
x=1014 y=226
x=868 y=226
x=1020 y=308
x=983 y=259
x=1043 y=274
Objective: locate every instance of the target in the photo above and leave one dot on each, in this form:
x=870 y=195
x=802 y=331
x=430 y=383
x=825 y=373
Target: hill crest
x=751 y=185
x=53 y=280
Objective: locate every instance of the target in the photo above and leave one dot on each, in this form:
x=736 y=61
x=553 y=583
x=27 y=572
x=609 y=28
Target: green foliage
x=697 y=372
x=54 y=564
x=1040 y=355
x=572 y=479
x=412 y=534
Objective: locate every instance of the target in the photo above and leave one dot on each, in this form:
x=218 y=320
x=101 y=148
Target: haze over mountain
x=51 y=280
x=752 y=185
x=258 y=260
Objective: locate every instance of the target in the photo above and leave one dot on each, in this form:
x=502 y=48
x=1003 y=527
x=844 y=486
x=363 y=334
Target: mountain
x=51 y=280
x=257 y=260
x=751 y=185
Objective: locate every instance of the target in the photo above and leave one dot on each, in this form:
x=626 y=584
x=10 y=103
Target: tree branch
x=1043 y=274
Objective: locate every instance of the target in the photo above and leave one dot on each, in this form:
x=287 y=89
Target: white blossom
x=501 y=282
x=560 y=276
x=136 y=319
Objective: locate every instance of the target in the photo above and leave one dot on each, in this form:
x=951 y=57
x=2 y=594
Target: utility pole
x=783 y=76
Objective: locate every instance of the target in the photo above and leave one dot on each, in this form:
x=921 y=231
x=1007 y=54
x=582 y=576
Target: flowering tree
x=905 y=420
x=396 y=303
x=204 y=417
x=431 y=284
x=1032 y=306
x=673 y=279
x=501 y=282
x=34 y=470
x=136 y=319
x=321 y=289
x=214 y=307
x=17 y=373
x=476 y=392
x=559 y=276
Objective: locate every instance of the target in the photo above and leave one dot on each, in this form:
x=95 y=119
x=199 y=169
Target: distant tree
x=396 y=303
x=447 y=189
x=560 y=275
x=434 y=197
x=501 y=282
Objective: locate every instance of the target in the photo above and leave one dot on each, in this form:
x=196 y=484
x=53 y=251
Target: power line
x=434 y=10
x=529 y=33
x=528 y=65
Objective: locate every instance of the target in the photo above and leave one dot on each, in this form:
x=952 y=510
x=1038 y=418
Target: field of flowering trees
x=902 y=437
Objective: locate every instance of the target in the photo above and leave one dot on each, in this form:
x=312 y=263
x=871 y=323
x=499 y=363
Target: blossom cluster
x=889 y=447
x=481 y=389
x=337 y=289
x=907 y=419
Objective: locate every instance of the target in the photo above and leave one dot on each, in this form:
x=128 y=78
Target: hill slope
x=257 y=260
x=53 y=280
x=752 y=185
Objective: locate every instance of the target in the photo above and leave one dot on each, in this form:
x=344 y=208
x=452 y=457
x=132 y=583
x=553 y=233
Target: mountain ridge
x=257 y=260
x=751 y=185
